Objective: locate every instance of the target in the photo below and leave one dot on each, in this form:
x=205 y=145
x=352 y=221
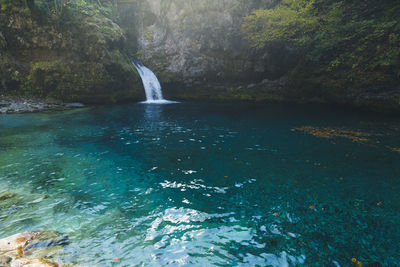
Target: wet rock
x=32 y=248
x=3 y=103
x=10 y=105
x=376 y=97
x=46 y=242
x=13 y=246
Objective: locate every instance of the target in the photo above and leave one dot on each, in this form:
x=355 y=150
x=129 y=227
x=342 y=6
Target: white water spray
x=151 y=85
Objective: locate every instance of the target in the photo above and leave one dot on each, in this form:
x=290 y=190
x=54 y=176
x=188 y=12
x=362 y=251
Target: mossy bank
x=74 y=53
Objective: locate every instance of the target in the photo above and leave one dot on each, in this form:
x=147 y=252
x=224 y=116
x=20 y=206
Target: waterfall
x=151 y=85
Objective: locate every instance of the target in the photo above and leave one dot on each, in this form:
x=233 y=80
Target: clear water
x=204 y=185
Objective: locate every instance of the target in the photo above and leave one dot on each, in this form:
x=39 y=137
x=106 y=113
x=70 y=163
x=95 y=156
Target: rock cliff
x=197 y=42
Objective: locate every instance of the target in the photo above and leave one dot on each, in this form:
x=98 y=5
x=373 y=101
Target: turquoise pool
x=206 y=184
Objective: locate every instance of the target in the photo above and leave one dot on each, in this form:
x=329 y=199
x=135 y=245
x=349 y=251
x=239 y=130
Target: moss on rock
x=74 y=56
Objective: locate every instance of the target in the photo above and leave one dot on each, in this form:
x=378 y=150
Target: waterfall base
x=162 y=101
x=152 y=86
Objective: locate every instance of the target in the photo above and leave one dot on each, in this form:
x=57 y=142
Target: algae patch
x=355 y=136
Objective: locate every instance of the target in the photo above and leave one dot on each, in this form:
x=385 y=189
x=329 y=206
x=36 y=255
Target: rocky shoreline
x=10 y=105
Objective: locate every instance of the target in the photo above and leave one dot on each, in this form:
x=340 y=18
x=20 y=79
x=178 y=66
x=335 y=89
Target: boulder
x=31 y=248
x=14 y=245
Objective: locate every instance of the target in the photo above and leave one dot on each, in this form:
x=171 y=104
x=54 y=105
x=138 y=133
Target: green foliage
x=55 y=8
x=291 y=21
x=356 y=41
x=65 y=50
x=5 y=4
x=16 y=6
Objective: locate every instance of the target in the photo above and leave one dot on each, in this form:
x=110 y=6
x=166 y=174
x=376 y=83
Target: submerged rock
x=7 y=195
x=355 y=136
x=8 y=199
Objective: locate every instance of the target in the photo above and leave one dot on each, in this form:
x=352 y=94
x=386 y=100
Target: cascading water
x=151 y=85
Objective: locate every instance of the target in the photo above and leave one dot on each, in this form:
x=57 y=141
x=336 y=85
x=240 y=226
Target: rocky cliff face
x=193 y=42
x=76 y=56
x=198 y=51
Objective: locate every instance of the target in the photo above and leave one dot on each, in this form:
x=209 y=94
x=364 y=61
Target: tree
x=356 y=41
